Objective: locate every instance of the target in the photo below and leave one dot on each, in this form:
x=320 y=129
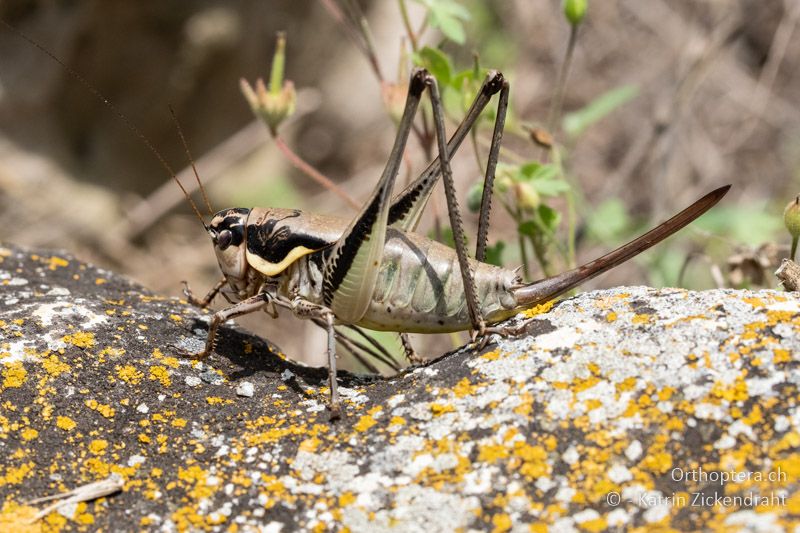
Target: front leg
x=306 y=309
x=254 y=303
x=206 y=301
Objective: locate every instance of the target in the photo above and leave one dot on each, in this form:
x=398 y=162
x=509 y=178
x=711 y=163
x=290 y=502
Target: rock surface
x=625 y=407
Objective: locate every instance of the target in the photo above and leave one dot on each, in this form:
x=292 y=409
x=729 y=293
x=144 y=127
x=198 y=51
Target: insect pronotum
x=374 y=271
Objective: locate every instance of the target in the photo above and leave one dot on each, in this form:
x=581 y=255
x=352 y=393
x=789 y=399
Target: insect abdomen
x=419 y=288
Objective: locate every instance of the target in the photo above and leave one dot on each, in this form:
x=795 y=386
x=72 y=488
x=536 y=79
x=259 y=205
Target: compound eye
x=224 y=239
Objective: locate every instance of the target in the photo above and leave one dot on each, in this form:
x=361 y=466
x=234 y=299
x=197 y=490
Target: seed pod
x=575 y=10
x=791 y=219
x=277 y=104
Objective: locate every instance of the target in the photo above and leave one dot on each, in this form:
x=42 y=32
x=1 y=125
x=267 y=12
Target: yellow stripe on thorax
x=274 y=269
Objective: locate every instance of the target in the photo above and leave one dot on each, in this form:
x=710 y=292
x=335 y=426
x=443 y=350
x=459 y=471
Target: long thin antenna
x=125 y=120
x=191 y=160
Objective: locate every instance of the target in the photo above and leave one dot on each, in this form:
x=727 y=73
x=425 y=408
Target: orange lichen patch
x=65 y=423
x=501 y=523
x=196 y=479
x=216 y=400
x=491 y=453
x=674 y=424
x=276 y=430
x=81 y=516
x=161 y=374
x=104 y=409
x=175 y=318
x=440 y=409
x=451 y=471
x=464 y=388
x=55 y=262
x=594 y=526
x=491 y=356
x=731 y=393
x=364 y=423
x=15 y=475
x=29 y=434
x=787 y=442
x=54 y=366
x=18 y=518
x=346 y=498
x=525 y=407
x=530 y=460
x=754 y=301
x=659 y=462
x=98 y=446
x=665 y=393
x=752 y=331
x=581 y=384
x=781 y=356
x=754 y=417
x=592 y=404
x=611 y=316
x=188 y=519
x=81 y=339
x=782 y=317
x=14 y=375
x=538 y=309
x=790 y=466
x=129 y=374
x=99 y=281
x=310 y=445
x=626 y=385
x=111 y=352
x=397 y=421
x=642 y=319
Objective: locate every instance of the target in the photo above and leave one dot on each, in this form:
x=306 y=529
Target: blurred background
x=663 y=101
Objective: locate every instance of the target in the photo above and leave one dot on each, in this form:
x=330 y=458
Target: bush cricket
x=374 y=271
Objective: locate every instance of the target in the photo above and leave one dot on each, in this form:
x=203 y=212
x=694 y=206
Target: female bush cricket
x=375 y=271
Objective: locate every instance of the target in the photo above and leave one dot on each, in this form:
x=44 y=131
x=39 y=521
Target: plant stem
x=571 y=211
x=540 y=250
x=794 y=248
x=407 y=23
x=521 y=240
x=558 y=99
x=313 y=173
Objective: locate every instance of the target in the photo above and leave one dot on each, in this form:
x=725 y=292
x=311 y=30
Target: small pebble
x=211 y=377
x=245 y=389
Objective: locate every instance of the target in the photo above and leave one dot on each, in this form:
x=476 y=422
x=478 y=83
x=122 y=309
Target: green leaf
x=751 y=225
x=494 y=254
x=452 y=29
x=466 y=79
x=447 y=15
x=609 y=221
x=576 y=123
x=474 y=196
x=536 y=171
x=550 y=217
x=543 y=178
x=528 y=169
x=437 y=64
x=550 y=187
x=529 y=228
